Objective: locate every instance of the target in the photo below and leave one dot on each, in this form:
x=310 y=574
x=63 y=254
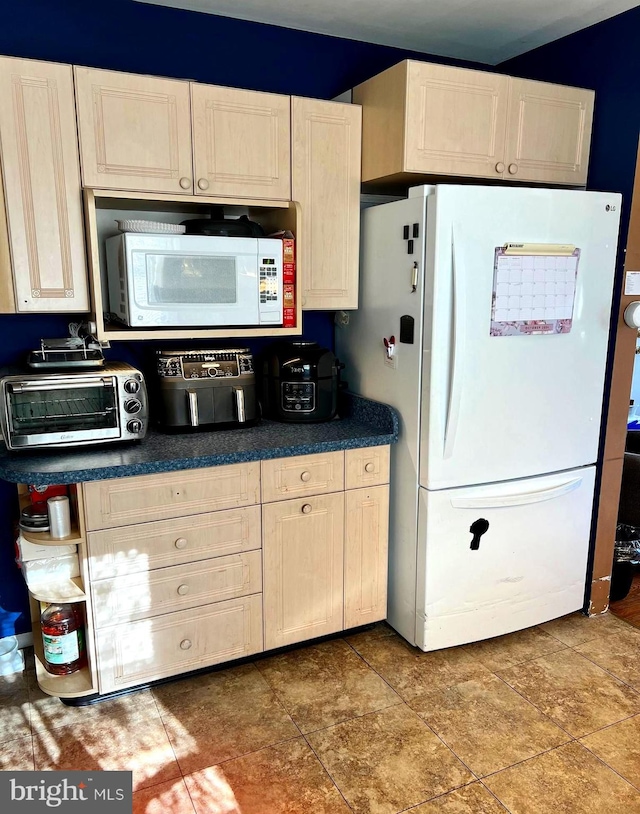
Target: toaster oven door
x=61 y=413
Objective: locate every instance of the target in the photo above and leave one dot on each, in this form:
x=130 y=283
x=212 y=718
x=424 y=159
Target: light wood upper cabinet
x=426 y=119
x=302 y=568
x=135 y=131
x=41 y=177
x=326 y=147
x=241 y=142
x=548 y=132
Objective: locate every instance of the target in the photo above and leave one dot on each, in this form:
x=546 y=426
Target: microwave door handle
x=240 y=411
x=192 y=397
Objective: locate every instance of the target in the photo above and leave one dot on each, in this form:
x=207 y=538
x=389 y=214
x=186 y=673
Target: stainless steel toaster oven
x=71 y=409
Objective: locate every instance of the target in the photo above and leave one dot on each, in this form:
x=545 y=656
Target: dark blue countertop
x=362 y=423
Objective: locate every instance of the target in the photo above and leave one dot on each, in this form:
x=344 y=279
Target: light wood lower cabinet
x=137 y=652
x=303 y=548
x=176 y=576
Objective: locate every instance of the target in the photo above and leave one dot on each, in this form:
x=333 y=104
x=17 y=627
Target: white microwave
x=165 y=281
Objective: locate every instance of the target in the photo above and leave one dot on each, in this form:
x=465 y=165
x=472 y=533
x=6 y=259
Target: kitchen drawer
x=139 y=596
x=138 y=499
x=145 y=546
x=368 y=466
x=137 y=652
x=302 y=475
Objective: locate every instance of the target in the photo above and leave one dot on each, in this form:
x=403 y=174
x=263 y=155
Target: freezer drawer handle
x=518 y=499
x=478 y=528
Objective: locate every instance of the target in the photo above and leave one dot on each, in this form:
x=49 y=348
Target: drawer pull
x=181 y=542
x=306 y=477
x=306 y=508
x=185 y=644
x=183 y=590
x=369 y=467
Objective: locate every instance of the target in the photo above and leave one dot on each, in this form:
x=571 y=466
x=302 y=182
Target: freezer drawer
x=528 y=567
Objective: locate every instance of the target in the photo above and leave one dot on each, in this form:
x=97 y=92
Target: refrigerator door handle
x=456 y=363
x=518 y=499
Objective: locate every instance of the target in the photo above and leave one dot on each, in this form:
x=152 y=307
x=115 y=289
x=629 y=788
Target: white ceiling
x=488 y=31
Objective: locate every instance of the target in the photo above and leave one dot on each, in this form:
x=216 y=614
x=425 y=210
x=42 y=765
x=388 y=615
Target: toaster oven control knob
x=135 y=425
x=131 y=386
x=132 y=406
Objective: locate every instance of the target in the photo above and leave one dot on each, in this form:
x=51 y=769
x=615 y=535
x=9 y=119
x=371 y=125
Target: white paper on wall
x=533 y=289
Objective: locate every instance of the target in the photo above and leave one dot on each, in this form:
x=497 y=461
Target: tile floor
x=544 y=721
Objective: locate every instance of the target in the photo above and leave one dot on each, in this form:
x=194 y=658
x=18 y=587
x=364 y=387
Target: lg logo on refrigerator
x=610 y=208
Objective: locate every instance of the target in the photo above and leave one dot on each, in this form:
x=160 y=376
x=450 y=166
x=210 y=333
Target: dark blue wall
x=127 y=36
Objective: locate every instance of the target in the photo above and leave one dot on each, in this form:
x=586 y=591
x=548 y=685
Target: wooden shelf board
x=50 y=591
x=71 y=686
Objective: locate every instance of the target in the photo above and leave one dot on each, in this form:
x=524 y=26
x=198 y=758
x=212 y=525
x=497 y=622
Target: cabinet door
x=42 y=186
x=135 y=131
x=325 y=180
x=365 y=555
x=549 y=132
x=241 y=142
x=302 y=568
x=455 y=120
x=136 y=652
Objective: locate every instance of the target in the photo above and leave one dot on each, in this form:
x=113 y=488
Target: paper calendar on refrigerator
x=533 y=289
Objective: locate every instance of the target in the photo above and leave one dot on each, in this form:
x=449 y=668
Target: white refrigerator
x=499 y=300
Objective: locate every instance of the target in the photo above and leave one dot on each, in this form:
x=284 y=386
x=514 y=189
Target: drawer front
x=129 y=550
x=302 y=475
x=124 y=501
x=368 y=466
x=137 y=652
x=141 y=596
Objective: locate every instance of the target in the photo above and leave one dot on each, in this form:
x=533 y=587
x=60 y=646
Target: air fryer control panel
x=210 y=364
x=298 y=397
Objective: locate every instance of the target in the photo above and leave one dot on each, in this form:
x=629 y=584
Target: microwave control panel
x=204 y=364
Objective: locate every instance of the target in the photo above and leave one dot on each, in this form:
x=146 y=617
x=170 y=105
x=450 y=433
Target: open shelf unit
x=103 y=207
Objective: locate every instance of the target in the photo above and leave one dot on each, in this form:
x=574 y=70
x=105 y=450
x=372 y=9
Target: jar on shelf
x=63 y=638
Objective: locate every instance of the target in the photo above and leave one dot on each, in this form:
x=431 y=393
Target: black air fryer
x=300 y=382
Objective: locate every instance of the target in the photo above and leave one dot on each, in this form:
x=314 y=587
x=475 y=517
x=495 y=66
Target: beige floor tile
x=282 y=779
x=15 y=713
x=138 y=744
x=17 y=754
x=568 y=779
x=489 y=725
x=577 y=628
x=473 y=799
x=514 y=648
x=387 y=761
x=577 y=694
x=48 y=712
x=235 y=713
x=619 y=747
x=618 y=653
x=325 y=684
x=412 y=673
x=171 y=797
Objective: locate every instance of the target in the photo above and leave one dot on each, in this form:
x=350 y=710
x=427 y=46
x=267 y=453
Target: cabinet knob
x=513 y=169
x=369 y=466
x=181 y=542
x=185 y=644
x=185 y=183
x=499 y=167
x=203 y=183
x=183 y=589
x=306 y=508
x=306 y=477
